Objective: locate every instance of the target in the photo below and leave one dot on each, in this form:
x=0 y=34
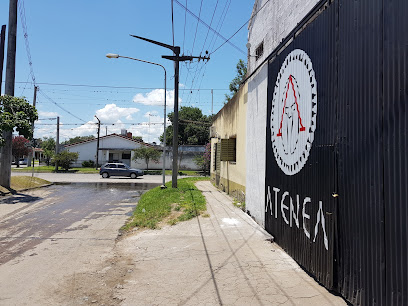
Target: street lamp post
x=111 y=55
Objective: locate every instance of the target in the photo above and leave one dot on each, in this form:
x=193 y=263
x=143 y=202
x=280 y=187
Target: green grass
x=18 y=183
x=240 y=205
x=156 y=204
x=50 y=169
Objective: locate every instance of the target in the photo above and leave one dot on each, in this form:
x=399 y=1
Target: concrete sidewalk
x=223 y=259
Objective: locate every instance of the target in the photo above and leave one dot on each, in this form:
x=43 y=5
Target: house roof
x=108 y=136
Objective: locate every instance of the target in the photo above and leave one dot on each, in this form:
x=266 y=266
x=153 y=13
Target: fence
x=336 y=179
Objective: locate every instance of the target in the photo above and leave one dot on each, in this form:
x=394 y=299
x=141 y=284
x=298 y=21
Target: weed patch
x=157 y=204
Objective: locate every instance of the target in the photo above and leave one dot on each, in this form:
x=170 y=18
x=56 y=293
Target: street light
x=113 y=55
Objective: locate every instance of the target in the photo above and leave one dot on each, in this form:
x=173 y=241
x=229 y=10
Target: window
x=121 y=166
x=110 y=166
x=217 y=156
x=229 y=149
x=125 y=155
x=259 y=51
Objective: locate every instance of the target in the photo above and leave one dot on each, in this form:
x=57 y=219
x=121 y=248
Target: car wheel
x=133 y=175
x=105 y=175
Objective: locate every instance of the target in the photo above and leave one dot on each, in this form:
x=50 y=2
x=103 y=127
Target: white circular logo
x=294 y=110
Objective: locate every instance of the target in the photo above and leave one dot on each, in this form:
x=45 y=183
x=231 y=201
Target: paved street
x=94 y=178
x=49 y=233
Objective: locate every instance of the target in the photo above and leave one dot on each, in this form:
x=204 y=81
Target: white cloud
x=42 y=114
x=112 y=113
x=155 y=97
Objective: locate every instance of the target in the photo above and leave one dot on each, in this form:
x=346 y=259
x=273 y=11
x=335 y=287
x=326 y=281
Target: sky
x=67 y=42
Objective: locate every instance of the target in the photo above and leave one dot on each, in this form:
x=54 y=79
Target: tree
x=138 y=138
x=65 y=159
x=19 y=148
x=204 y=161
x=147 y=153
x=77 y=139
x=16 y=113
x=236 y=82
x=48 y=146
x=193 y=127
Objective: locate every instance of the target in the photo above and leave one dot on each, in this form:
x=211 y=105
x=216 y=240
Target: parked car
x=23 y=161
x=119 y=169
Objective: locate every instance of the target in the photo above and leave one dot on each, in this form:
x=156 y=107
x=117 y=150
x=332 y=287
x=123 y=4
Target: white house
x=119 y=148
x=112 y=148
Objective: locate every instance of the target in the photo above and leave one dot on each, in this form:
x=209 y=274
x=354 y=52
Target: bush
x=65 y=159
x=88 y=164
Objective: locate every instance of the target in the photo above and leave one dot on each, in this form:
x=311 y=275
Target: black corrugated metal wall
x=359 y=51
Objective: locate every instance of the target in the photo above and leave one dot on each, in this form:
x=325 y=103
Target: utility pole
x=177 y=59
x=32 y=126
x=97 y=143
x=57 y=145
x=5 y=169
x=2 y=45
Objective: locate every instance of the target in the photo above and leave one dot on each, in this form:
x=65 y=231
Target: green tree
x=203 y=161
x=19 y=148
x=236 y=82
x=65 y=159
x=16 y=113
x=138 y=138
x=147 y=153
x=77 y=139
x=48 y=146
x=194 y=127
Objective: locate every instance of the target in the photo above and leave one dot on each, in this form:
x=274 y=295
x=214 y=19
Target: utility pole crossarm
x=175 y=49
x=184 y=58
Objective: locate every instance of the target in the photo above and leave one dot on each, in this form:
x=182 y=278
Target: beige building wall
x=230 y=123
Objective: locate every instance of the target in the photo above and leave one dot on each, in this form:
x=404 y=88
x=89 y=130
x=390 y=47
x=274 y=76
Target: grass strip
x=51 y=169
x=155 y=205
x=18 y=183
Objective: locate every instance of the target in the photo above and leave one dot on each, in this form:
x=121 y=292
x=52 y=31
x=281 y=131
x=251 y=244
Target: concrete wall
x=271 y=25
x=230 y=122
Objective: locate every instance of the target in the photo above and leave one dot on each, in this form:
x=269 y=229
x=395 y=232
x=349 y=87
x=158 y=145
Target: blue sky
x=68 y=41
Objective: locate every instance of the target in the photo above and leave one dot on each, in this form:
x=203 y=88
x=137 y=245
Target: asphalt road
x=36 y=218
x=94 y=178
x=49 y=233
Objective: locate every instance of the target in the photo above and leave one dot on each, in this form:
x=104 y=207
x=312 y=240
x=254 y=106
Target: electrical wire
x=49 y=99
x=114 y=87
x=205 y=24
x=23 y=20
x=240 y=28
x=198 y=19
x=208 y=31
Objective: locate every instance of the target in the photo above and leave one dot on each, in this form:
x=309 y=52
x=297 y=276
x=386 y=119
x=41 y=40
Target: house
x=119 y=148
x=325 y=141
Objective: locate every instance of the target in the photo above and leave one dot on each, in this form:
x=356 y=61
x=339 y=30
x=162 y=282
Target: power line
x=172 y=20
x=220 y=23
x=185 y=22
x=205 y=24
x=240 y=28
x=24 y=25
x=208 y=31
x=115 y=87
x=198 y=19
x=49 y=99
